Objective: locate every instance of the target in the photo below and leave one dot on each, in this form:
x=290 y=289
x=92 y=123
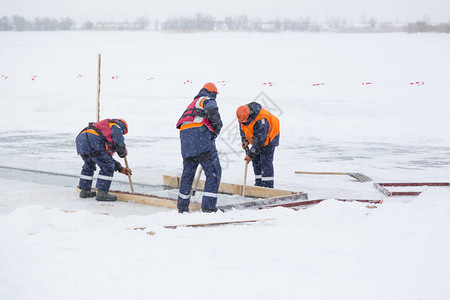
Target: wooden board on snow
x=233 y=189
x=151 y=200
x=297 y=198
x=219 y=223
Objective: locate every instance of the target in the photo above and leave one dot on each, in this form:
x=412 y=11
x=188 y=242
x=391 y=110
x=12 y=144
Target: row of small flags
x=224 y=83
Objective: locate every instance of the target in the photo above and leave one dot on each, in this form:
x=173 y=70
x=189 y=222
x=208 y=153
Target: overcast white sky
x=318 y=10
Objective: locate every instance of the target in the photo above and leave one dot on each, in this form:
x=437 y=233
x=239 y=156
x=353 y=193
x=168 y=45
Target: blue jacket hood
x=205 y=93
x=254 y=111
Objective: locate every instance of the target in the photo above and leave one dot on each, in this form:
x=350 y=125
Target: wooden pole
x=197 y=180
x=98 y=112
x=320 y=173
x=98 y=86
x=358 y=176
x=245 y=179
x=247 y=151
x=129 y=176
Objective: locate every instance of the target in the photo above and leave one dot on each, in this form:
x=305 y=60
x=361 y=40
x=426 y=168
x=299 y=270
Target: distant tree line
x=200 y=22
x=203 y=22
x=138 y=24
x=18 y=23
x=422 y=26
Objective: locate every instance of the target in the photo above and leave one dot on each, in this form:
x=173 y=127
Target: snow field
x=55 y=245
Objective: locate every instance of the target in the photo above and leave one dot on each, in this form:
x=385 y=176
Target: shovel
x=245 y=173
x=129 y=176
x=358 y=176
x=197 y=180
x=245 y=179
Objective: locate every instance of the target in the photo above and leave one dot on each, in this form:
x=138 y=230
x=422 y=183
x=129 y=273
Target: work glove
x=247 y=153
x=214 y=135
x=126 y=171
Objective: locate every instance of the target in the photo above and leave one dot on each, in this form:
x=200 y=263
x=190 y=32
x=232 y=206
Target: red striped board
x=218 y=223
x=303 y=204
x=382 y=187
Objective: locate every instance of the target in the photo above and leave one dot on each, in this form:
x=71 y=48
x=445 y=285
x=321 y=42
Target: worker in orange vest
x=199 y=125
x=261 y=129
x=96 y=145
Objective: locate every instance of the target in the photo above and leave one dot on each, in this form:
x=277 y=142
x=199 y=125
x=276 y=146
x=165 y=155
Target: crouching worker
x=261 y=129
x=199 y=126
x=96 y=144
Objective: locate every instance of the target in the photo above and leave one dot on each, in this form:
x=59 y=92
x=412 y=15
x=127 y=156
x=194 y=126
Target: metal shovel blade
x=360 y=177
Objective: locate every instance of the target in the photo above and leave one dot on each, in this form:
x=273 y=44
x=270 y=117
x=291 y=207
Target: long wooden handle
x=129 y=176
x=197 y=180
x=99 y=86
x=320 y=173
x=245 y=179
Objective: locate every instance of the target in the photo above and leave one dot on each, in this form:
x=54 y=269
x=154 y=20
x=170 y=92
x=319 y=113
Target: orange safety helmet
x=126 y=125
x=211 y=87
x=242 y=113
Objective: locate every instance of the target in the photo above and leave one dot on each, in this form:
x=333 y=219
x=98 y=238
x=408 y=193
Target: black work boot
x=87 y=193
x=105 y=196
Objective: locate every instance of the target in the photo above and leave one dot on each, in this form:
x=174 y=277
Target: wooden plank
x=196 y=206
x=218 y=223
x=233 y=189
x=151 y=200
x=361 y=200
x=305 y=203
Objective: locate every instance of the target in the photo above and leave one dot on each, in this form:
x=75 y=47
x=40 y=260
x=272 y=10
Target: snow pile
x=334 y=250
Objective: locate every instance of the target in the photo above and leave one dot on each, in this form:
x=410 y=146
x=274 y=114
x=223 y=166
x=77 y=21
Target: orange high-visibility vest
x=274 y=127
x=103 y=129
x=194 y=116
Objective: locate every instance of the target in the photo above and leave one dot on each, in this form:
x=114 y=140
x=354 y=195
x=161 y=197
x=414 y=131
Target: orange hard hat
x=211 y=87
x=242 y=113
x=126 y=125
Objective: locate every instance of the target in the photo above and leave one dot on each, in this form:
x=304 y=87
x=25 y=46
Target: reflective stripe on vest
x=194 y=116
x=190 y=125
x=274 y=127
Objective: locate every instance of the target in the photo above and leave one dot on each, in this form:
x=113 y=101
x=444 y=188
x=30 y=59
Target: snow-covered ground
x=376 y=104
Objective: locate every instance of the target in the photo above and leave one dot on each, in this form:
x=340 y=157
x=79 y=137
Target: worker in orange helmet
x=96 y=145
x=199 y=126
x=261 y=129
